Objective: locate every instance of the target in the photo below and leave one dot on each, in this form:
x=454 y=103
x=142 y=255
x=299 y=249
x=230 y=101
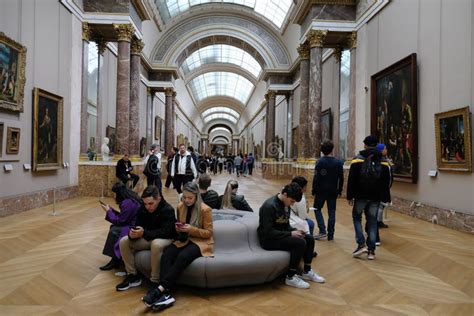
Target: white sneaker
x=313 y=276
x=295 y=281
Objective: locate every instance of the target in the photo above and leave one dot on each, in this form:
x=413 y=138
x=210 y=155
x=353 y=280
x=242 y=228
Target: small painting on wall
x=13 y=140
x=453 y=140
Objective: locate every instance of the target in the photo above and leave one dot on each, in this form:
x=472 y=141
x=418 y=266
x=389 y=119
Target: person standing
x=183 y=169
x=123 y=171
x=152 y=167
x=367 y=186
x=238 y=164
x=328 y=181
x=169 y=179
x=250 y=162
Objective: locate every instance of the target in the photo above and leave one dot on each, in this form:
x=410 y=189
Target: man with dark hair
x=209 y=197
x=183 y=169
x=275 y=233
x=123 y=171
x=154 y=230
x=152 y=167
x=169 y=179
x=367 y=186
x=327 y=186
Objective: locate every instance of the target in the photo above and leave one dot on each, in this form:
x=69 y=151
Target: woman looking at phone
x=195 y=231
x=129 y=204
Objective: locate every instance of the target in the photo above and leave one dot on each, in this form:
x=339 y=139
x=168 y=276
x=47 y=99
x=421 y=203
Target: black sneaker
x=330 y=237
x=131 y=280
x=165 y=301
x=382 y=225
x=359 y=251
x=152 y=296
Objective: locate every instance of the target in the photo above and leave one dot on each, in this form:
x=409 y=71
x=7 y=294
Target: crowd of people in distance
x=176 y=238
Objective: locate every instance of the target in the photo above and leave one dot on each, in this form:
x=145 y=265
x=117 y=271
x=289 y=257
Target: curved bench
x=238 y=258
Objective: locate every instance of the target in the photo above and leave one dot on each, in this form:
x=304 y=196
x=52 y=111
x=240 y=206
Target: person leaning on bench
x=275 y=233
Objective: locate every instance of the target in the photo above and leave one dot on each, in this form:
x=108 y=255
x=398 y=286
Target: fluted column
x=169 y=119
x=134 y=111
x=337 y=107
x=351 y=149
x=270 y=148
x=316 y=40
x=100 y=132
x=122 y=115
x=86 y=35
x=303 y=51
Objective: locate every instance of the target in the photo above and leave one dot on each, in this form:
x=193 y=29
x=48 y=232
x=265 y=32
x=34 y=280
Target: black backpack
x=370 y=171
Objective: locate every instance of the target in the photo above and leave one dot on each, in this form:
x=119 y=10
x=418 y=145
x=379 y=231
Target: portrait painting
x=453 y=140
x=12 y=74
x=158 y=123
x=47 y=130
x=326 y=125
x=394 y=107
x=111 y=135
x=1 y=138
x=13 y=140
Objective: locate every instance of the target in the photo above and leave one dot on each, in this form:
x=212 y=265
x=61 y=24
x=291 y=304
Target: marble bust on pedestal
x=105 y=149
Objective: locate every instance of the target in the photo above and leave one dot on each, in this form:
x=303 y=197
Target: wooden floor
x=49 y=265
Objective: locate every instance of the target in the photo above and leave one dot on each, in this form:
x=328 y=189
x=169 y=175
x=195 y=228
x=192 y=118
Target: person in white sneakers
x=275 y=233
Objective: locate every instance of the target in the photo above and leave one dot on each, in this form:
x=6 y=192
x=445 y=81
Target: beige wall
x=441 y=33
x=52 y=37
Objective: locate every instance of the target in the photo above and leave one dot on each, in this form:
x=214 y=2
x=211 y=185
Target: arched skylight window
x=221 y=53
x=222 y=109
x=273 y=10
x=223 y=116
x=221 y=83
x=219 y=129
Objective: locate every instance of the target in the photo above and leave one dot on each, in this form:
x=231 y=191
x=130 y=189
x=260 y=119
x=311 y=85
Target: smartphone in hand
x=179 y=224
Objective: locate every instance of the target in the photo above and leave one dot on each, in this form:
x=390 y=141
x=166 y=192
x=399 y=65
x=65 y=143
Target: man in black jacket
x=183 y=169
x=275 y=233
x=209 y=197
x=152 y=168
x=155 y=229
x=367 y=186
x=169 y=179
x=123 y=171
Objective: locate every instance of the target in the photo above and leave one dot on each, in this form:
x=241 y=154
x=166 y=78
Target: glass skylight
x=221 y=83
x=219 y=129
x=223 y=116
x=273 y=10
x=221 y=53
x=222 y=109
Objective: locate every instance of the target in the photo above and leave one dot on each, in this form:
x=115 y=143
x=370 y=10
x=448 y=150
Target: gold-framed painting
x=12 y=74
x=158 y=123
x=47 y=130
x=453 y=140
x=180 y=140
x=1 y=138
x=13 y=140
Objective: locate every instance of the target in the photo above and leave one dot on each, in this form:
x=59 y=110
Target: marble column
x=149 y=116
x=173 y=121
x=100 y=133
x=271 y=149
x=122 y=114
x=351 y=148
x=316 y=41
x=337 y=54
x=169 y=119
x=86 y=35
x=303 y=51
x=134 y=111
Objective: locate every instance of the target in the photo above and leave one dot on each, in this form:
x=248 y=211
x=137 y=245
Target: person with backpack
x=368 y=185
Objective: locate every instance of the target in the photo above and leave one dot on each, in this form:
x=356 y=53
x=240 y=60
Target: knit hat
x=380 y=147
x=371 y=141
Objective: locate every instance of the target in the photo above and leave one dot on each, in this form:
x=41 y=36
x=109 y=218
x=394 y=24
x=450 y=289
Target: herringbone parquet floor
x=49 y=266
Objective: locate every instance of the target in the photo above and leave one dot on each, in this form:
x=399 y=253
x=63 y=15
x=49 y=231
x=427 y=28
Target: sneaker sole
x=359 y=253
x=298 y=287
x=160 y=307
x=130 y=285
x=316 y=281
x=163 y=305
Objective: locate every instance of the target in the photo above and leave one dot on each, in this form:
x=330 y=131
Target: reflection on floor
x=49 y=265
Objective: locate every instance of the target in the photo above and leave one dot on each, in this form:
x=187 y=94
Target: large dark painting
x=12 y=74
x=453 y=140
x=394 y=104
x=47 y=130
x=326 y=125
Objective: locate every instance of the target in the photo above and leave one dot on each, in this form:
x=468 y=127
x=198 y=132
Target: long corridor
x=49 y=265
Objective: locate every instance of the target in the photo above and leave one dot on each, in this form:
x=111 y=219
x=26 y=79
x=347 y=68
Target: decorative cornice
x=303 y=50
x=353 y=40
x=337 y=54
x=174 y=94
x=169 y=92
x=316 y=38
x=335 y=2
x=101 y=46
x=136 y=47
x=124 y=32
x=270 y=94
x=86 y=31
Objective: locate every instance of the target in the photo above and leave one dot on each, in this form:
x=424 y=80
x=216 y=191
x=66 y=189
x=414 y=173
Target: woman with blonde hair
x=231 y=200
x=195 y=231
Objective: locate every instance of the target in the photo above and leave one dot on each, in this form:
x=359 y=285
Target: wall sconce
x=366 y=89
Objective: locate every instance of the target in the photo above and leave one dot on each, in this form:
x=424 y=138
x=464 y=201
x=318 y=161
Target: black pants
x=133 y=177
x=221 y=165
x=173 y=262
x=250 y=166
x=169 y=180
x=298 y=248
x=154 y=180
x=112 y=237
x=180 y=180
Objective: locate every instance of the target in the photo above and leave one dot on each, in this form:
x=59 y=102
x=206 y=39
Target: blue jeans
x=370 y=209
x=310 y=225
x=319 y=201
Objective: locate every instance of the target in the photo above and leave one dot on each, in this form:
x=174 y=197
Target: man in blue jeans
x=327 y=186
x=367 y=186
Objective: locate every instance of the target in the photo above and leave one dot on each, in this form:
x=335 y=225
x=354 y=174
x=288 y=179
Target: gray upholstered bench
x=238 y=258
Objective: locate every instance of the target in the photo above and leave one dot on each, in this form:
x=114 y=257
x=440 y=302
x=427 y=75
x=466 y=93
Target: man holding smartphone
x=154 y=230
x=275 y=233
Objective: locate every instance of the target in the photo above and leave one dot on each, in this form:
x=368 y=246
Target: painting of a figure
x=326 y=125
x=12 y=73
x=453 y=140
x=13 y=140
x=47 y=130
x=394 y=116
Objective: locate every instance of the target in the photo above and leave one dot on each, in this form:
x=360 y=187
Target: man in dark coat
x=123 y=171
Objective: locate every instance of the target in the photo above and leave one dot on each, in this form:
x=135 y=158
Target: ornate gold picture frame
x=12 y=74
x=158 y=124
x=13 y=140
x=453 y=140
x=47 y=130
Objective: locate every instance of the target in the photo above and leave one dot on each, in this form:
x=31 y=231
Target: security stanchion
x=54 y=212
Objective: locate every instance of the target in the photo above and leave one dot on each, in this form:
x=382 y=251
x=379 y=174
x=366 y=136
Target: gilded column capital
x=136 y=47
x=270 y=94
x=303 y=50
x=101 y=46
x=174 y=94
x=124 y=32
x=169 y=92
x=353 y=40
x=151 y=90
x=86 y=32
x=337 y=54
x=316 y=38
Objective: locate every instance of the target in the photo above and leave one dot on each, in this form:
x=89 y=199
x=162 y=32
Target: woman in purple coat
x=129 y=204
